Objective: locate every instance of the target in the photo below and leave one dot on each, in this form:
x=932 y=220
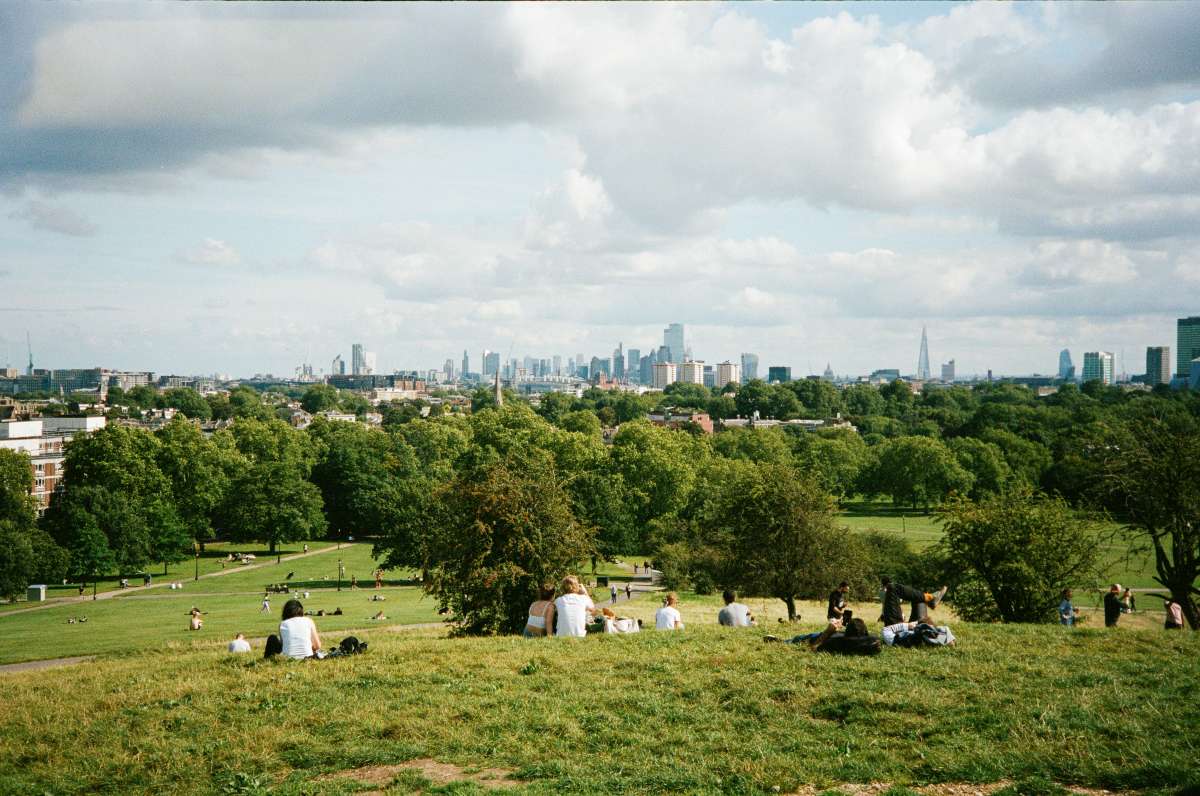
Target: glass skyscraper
x=673 y=341
x=1188 y=345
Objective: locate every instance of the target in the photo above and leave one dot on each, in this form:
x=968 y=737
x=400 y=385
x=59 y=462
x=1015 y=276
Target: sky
x=240 y=188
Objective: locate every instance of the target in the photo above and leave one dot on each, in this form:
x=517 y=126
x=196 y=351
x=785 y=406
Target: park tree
x=1028 y=460
x=754 y=396
x=187 y=401
x=835 y=459
x=248 y=403
x=776 y=526
x=915 y=470
x=985 y=462
x=685 y=395
x=863 y=399
x=1148 y=474
x=721 y=407
x=818 y=398
x=495 y=534
x=658 y=467
x=270 y=498
x=198 y=473
x=897 y=397
x=753 y=444
x=1024 y=548
x=319 y=398
x=583 y=421
x=554 y=406
x=783 y=404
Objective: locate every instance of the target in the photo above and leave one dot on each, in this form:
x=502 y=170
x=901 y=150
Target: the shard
x=923 y=361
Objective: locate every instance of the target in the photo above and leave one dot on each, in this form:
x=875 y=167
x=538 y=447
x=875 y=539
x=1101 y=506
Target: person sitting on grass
x=572 y=608
x=239 y=643
x=836 y=608
x=854 y=639
x=298 y=638
x=540 y=620
x=734 y=614
x=195 y=623
x=895 y=593
x=620 y=624
x=1174 y=620
x=917 y=634
x=667 y=617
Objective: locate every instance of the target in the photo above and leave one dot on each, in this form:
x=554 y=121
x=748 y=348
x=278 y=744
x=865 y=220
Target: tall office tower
x=1098 y=365
x=579 y=361
x=369 y=361
x=710 y=376
x=357 y=362
x=599 y=366
x=491 y=363
x=691 y=372
x=448 y=369
x=664 y=374
x=633 y=363
x=727 y=372
x=618 y=361
x=664 y=354
x=1066 y=368
x=338 y=368
x=923 y=358
x=646 y=368
x=749 y=367
x=1158 y=364
x=673 y=341
x=778 y=374
x=1187 y=344
x=557 y=365
x=948 y=372
x=572 y=368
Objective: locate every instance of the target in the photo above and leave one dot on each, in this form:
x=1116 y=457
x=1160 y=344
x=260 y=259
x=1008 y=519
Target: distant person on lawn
x=612 y=591
x=1112 y=605
x=540 y=621
x=298 y=638
x=239 y=643
x=196 y=622
x=1067 y=612
x=734 y=614
x=917 y=634
x=894 y=594
x=667 y=617
x=1174 y=619
x=837 y=603
x=572 y=608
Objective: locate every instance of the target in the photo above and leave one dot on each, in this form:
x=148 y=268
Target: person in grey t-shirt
x=734 y=614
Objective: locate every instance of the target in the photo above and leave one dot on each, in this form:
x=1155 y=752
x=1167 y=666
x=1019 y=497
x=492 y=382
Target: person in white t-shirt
x=667 y=617
x=297 y=633
x=572 y=608
x=239 y=643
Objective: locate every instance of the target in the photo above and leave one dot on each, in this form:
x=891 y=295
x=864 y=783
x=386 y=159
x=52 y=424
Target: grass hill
x=705 y=710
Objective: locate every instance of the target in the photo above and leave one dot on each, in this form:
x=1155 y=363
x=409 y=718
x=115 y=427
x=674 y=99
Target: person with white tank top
x=297 y=632
x=540 y=621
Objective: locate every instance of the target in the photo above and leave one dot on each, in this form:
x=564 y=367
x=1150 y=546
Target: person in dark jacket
x=894 y=595
x=1112 y=605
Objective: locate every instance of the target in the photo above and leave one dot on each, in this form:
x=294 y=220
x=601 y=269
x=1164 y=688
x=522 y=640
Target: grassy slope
x=706 y=710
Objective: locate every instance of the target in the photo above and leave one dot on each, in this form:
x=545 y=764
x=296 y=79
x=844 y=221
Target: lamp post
x=341 y=573
x=197 y=577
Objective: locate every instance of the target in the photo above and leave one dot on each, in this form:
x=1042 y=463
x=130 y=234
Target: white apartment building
x=692 y=372
x=665 y=373
x=728 y=372
x=42 y=440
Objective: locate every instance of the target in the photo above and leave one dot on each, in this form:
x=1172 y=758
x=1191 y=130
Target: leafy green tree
x=198 y=472
x=818 y=398
x=554 y=406
x=684 y=395
x=835 y=459
x=144 y=396
x=247 y=402
x=916 y=470
x=754 y=396
x=16 y=560
x=355 y=404
x=1024 y=548
x=985 y=462
x=1147 y=470
x=582 y=421
x=1028 y=460
x=494 y=535
x=722 y=407
x=778 y=529
x=187 y=401
x=897 y=397
x=658 y=467
x=753 y=444
x=319 y=398
x=863 y=399
x=783 y=404
x=219 y=406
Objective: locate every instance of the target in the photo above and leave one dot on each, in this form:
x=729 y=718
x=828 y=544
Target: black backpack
x=351 y=646
x=841 y=644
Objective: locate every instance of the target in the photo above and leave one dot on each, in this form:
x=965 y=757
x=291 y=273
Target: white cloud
x=55 y=218
x=212 y=252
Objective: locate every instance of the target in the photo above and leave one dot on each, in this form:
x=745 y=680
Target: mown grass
x=707 y=710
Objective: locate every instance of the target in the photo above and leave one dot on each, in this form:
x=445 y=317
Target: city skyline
x=202 y=188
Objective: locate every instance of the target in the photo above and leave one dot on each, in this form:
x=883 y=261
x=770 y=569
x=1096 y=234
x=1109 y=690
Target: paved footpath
x=107 y=595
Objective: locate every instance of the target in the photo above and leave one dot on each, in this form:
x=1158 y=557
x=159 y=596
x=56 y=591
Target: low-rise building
x=677 y=418
x=43 y=440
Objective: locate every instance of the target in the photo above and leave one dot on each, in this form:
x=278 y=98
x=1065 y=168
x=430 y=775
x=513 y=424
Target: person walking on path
x=628 y=591
x=1112 y=605
x=1067 y=612
x=612 y=591
x=1174 y=619
x=266 y=604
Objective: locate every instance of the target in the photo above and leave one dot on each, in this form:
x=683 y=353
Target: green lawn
x=707 y=710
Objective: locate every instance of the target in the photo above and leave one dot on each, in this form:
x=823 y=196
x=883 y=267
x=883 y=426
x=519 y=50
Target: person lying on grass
x=917 y=634
x=855 y=639
x=619 y=624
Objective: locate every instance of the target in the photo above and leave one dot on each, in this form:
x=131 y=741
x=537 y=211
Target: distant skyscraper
x=369 y=363
x=727 y=372
x=948 y=372
x=923 y=358
x=466 y=364
x=358 y=364
x=749 y=367
x=618 y=361
x=646 y=368
x=557 y=365
x=338 y=368
x=777 y=374
x=597 y=367
x=633 y=364
x=1158 y=365
x=673 y=341
x=448 y=370
x=1187 y=344
x=1098 y=366
x=491 y=363
x=1066 y=369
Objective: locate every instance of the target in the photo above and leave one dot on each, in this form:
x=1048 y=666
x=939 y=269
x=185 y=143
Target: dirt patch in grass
x=941 y=789
x=437 y=774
